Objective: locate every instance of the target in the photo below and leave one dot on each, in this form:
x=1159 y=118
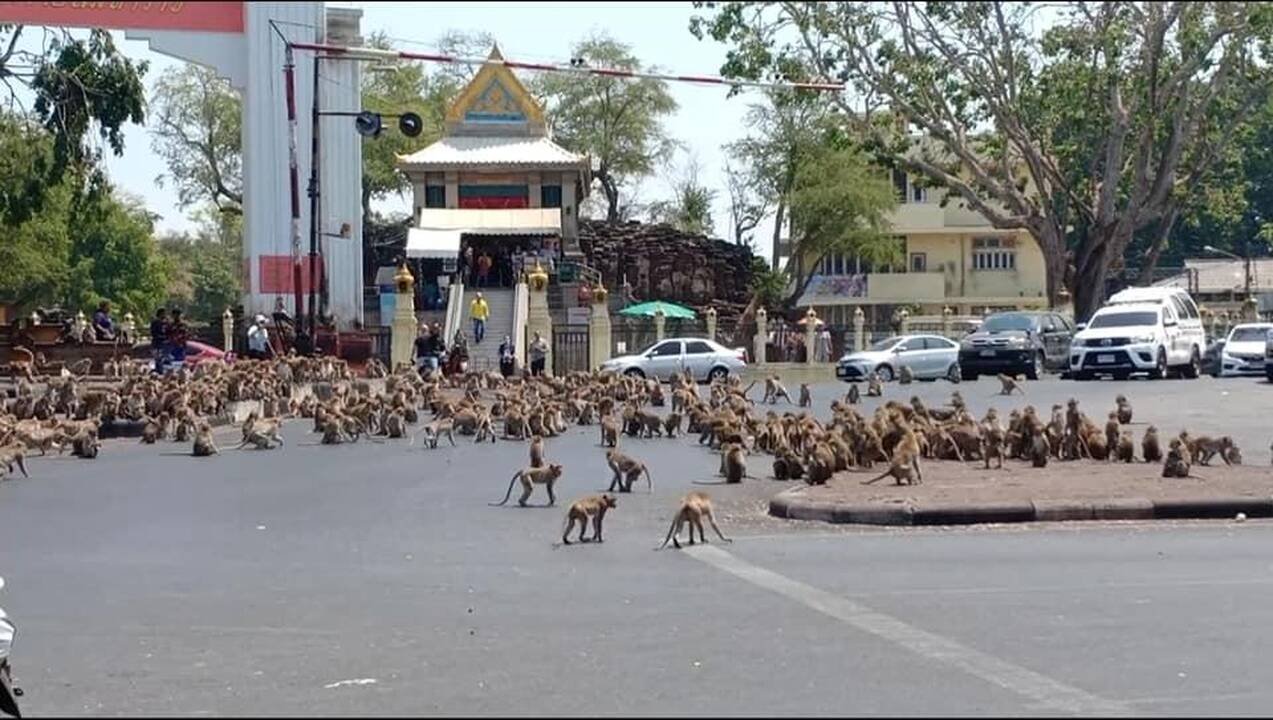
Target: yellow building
x=953 y=258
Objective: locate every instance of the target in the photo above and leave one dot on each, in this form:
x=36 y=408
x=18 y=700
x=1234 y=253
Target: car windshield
x=1008 y=322
x=884 y=344
x=1249 y=334
x=1124 y=319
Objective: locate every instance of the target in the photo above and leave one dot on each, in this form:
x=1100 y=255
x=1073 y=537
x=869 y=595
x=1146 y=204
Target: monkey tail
x=508 y=494
x=877 y=478
x=22 y=466
x=670 y=529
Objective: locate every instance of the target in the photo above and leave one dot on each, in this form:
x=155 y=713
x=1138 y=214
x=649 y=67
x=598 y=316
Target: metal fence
x=570 y=350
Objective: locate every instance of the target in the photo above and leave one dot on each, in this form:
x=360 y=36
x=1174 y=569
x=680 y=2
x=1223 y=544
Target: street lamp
x=1246 y=265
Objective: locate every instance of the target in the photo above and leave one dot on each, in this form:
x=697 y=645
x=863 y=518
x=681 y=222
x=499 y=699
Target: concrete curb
x=788 y=504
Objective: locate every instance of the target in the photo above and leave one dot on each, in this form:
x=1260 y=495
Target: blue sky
x=657 y=32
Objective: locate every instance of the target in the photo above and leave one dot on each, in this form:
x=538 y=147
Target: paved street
x=374 y=579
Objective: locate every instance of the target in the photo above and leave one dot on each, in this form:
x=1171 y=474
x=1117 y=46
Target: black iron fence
x=570 y=350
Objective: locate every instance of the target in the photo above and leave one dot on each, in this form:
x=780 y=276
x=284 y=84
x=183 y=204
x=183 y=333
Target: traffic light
x=368 y=123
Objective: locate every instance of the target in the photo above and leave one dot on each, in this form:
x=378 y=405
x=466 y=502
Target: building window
x=550 y=196
x=919 y=262
x=899 y=184
x=435 y=196
x=994 y=254
x=919 y=193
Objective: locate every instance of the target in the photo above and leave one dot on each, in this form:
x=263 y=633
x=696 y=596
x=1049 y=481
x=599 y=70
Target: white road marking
x=1046 y=693
x=356 y=681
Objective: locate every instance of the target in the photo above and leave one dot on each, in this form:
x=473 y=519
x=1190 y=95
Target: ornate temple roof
x=474 y=150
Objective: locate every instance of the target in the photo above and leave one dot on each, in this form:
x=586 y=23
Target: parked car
x=196 y=352
x=928 y=356
x=1243 y=350
x=705 y=359
x=1155 y=331
x=1017 y=342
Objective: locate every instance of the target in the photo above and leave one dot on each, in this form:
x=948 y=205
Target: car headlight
x=1145 y=338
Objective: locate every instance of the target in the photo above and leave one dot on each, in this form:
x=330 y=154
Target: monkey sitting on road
x=806 y=398
x=1149 y=446
x=593 y=506
x=1123 y=408
x=264 y=434
x=853 y=395
x=529 y=478
x=735 y=463
x=694 y=507
x=204 y=446
x=672 y=424
x=905 y=376
x=1125 y=450
x=609 y=432
x=537 y=451
x=84 y=444
x=1011 y=383
x=1176 y=465
x=1040 y=449
x=874 y=386
x=627 y=470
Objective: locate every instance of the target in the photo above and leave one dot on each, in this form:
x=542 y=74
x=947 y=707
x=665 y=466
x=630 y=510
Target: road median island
x=966 y=494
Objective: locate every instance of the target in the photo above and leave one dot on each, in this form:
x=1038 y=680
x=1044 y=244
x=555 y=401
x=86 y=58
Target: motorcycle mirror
x=367 y=123
x=410 y=124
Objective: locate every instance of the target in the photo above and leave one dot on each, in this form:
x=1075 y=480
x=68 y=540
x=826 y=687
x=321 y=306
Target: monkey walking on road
x=592 y=506
x=530 y=477
x=694 y=507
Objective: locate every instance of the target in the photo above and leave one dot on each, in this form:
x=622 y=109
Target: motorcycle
x=8 y=693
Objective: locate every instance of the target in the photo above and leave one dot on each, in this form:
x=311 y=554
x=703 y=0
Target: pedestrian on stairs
x=479 y=311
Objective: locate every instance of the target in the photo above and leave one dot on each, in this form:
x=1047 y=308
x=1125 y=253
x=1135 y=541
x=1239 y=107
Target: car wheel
x=885 y=372
x=1035 y=371
x=634 y=372
x=1160 y=367
x=717 y=374
x=1194 y=368
x=954 y=374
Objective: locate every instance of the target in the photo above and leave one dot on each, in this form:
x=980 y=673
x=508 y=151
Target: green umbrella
x=648 y=309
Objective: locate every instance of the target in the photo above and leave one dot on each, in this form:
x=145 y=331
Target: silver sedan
x=705 y=359
x=928 y=356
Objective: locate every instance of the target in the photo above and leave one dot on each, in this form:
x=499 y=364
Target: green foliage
x=768 y=285
x=196 y=127
x=619 y=122
x=205 y=278
x=690 y=209
x=840 y=203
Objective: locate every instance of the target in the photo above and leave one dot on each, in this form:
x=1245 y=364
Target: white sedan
x=705 y=359
x=1243 y=352
x=927 y=356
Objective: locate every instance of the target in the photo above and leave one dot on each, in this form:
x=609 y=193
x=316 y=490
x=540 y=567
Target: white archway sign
x=237 y=40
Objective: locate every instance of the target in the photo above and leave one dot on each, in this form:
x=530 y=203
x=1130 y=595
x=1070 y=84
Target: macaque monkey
x=263 y=434
x=84 y=444
x=672 y=424
x=537 y=451
x=593 y=506
x=905 y=376
x=485 y=429
x=806 y=398
x=627 y=470
x=874 y=386
x=11 y=456
x=1203 y=448
x=1111 y=431
x=152 y=431
x=992 y=446
x=1149 y=446
x=434 y=430
x=735 y=464
x=22 y=364
x=1040 y=450
x=204 y=446
x=1124 y=409
x=853 y=396
x=609 y=432
x=1011 y=383
x=529 y=478
x=395 y=425
x=774 y=390
x=694 y=507
x=1176 y=465
x=902 y=472
x=1125 y=451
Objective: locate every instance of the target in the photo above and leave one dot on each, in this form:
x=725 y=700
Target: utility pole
x=313 y=206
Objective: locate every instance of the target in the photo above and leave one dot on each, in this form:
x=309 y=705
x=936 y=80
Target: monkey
x=592 y=506
x=537 y=451
x=774 y=390
x=395 y=425
x=204 y=446
x=1097 y=448
x=1176 y=465
x=735 y=464
x=11 y=456
x=694 y=507
x=434 y=430
x=905 y=376
x=1124 y=409
x=874 y=386
x=333 y=432
x=899 y=471
x=1235 y=455
x=672 y=424
x=1011 y=383
x=263 y=434
x=1111 y=431
x=609 y=432
x=24 y=365
x=1204 y=448
x=152 y=431
x=1149 y=446
x=806 y=398
x=1040 y=450
x=485 y=429
x=991 y=445
x=626 y=468
x=529 y=478
x=819 y=464
x=853 y=395
x=1125 y=450
x=84 y=444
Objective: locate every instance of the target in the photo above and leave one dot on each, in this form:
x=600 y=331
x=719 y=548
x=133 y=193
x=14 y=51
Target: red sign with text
x=197 y=16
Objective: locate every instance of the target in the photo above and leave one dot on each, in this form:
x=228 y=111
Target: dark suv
x=1017 y=342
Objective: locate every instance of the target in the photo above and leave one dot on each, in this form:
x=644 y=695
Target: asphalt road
x=375 y=579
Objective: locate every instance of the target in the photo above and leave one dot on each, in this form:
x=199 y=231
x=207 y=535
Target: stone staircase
x=485 y=356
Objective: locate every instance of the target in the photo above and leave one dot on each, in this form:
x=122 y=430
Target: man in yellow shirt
x=479 y=311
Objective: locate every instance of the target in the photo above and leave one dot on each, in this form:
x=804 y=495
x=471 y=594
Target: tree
x=690 y=209
x=205 y=277
x=196 y=127
x=746 y=207
x=618 y=121
x=1082 y=136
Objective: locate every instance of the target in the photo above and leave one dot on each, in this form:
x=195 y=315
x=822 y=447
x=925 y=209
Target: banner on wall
x=226 y=17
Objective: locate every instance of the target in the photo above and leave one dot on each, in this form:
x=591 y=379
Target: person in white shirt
x=259 y=347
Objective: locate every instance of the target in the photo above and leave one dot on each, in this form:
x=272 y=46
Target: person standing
x=538 y=354
x=479 y=311
x=178 y=333
x=259 y=347
x=159 y=339
x=424 y=357
x=467 y=271
x=483 y=269
x=507 y=357
x=824 y=345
